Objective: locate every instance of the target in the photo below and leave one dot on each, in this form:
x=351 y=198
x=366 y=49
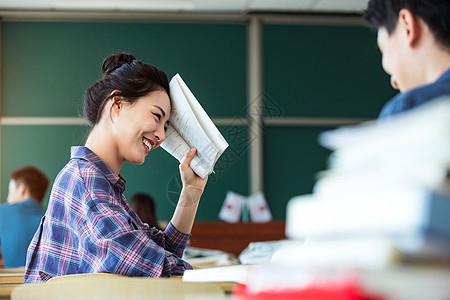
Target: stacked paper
x=410 y=150
x=387 y=185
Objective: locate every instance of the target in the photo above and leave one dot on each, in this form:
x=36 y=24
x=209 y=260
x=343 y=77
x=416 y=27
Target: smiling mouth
x=148 y=144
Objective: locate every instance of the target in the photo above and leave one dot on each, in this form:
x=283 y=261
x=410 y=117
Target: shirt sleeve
x=171 y=239
x=110 y=242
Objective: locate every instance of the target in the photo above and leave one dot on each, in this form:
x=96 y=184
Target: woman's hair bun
x=114 y=62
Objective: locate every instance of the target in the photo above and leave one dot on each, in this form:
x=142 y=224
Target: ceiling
x=195 y=6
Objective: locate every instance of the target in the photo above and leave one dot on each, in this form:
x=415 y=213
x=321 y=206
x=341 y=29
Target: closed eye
x=158 y=116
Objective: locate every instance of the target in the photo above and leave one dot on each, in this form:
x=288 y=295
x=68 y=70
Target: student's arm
x=193 y=186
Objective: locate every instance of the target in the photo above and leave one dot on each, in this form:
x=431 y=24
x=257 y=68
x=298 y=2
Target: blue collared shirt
x=18 y=223
x=417 y=96
x=90 y=228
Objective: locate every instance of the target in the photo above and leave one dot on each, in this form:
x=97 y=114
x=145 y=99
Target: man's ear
x=410 y=26
x=22 y=190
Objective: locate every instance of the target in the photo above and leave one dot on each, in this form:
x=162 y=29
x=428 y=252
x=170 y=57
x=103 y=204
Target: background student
x=144 y=206
x=20 y=217
x=414 y=39
x=89 y=226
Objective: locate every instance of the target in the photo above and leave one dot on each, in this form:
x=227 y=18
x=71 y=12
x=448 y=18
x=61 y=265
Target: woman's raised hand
x=191 y=180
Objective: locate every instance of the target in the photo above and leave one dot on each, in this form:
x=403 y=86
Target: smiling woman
x=128 y=108
x=127 y=130
x=89 y=226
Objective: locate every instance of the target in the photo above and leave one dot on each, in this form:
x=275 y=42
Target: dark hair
x=132 y=78
x=144 y=206
x=34 y=179
x=435 y=13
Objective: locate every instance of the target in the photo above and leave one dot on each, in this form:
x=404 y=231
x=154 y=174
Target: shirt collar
x=28 y=202
x=31 y=202
x=444 y=76
x=85 y=153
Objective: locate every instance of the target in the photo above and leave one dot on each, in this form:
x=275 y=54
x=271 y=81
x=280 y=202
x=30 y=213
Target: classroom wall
x=309 y=71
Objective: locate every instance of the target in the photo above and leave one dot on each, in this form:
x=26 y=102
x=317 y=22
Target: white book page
x=190 y=128
x=205 y=121
x=194 y=126
x=176 y=146
x=183 y=119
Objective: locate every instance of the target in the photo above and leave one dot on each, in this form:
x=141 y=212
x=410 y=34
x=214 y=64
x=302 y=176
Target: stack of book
x=386 y=195
x=377 y=224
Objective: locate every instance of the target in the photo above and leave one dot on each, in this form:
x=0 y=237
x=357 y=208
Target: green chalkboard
x=324 y=71
x=47 y=66
x=46 y=147
x=292 y=158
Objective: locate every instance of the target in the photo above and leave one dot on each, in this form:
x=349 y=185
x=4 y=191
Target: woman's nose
x=160 y=135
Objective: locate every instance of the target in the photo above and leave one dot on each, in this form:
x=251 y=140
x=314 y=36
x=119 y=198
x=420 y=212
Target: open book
x=190 y=126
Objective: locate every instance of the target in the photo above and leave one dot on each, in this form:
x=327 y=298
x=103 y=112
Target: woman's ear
x=117 y=102
x=115 y=107
x=116 y=98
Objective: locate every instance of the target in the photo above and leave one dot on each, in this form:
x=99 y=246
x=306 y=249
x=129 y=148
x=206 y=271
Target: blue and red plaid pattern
x=90 y=228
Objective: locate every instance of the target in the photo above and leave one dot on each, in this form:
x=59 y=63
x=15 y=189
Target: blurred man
x=414 y=39
x=20 y=217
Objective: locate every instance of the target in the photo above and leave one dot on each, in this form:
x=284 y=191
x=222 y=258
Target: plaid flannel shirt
x=90 y=228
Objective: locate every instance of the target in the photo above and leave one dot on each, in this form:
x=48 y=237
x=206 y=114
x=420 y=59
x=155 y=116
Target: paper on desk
x=237 y=273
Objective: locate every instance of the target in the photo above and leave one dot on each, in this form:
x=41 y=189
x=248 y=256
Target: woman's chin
x=137 y=160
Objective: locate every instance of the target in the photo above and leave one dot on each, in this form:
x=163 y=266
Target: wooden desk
x=113 y=286
x=233 y=238
x=9 y=279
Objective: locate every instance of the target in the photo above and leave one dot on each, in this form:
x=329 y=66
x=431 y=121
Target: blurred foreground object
x=378 y=222
x=388 y=184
